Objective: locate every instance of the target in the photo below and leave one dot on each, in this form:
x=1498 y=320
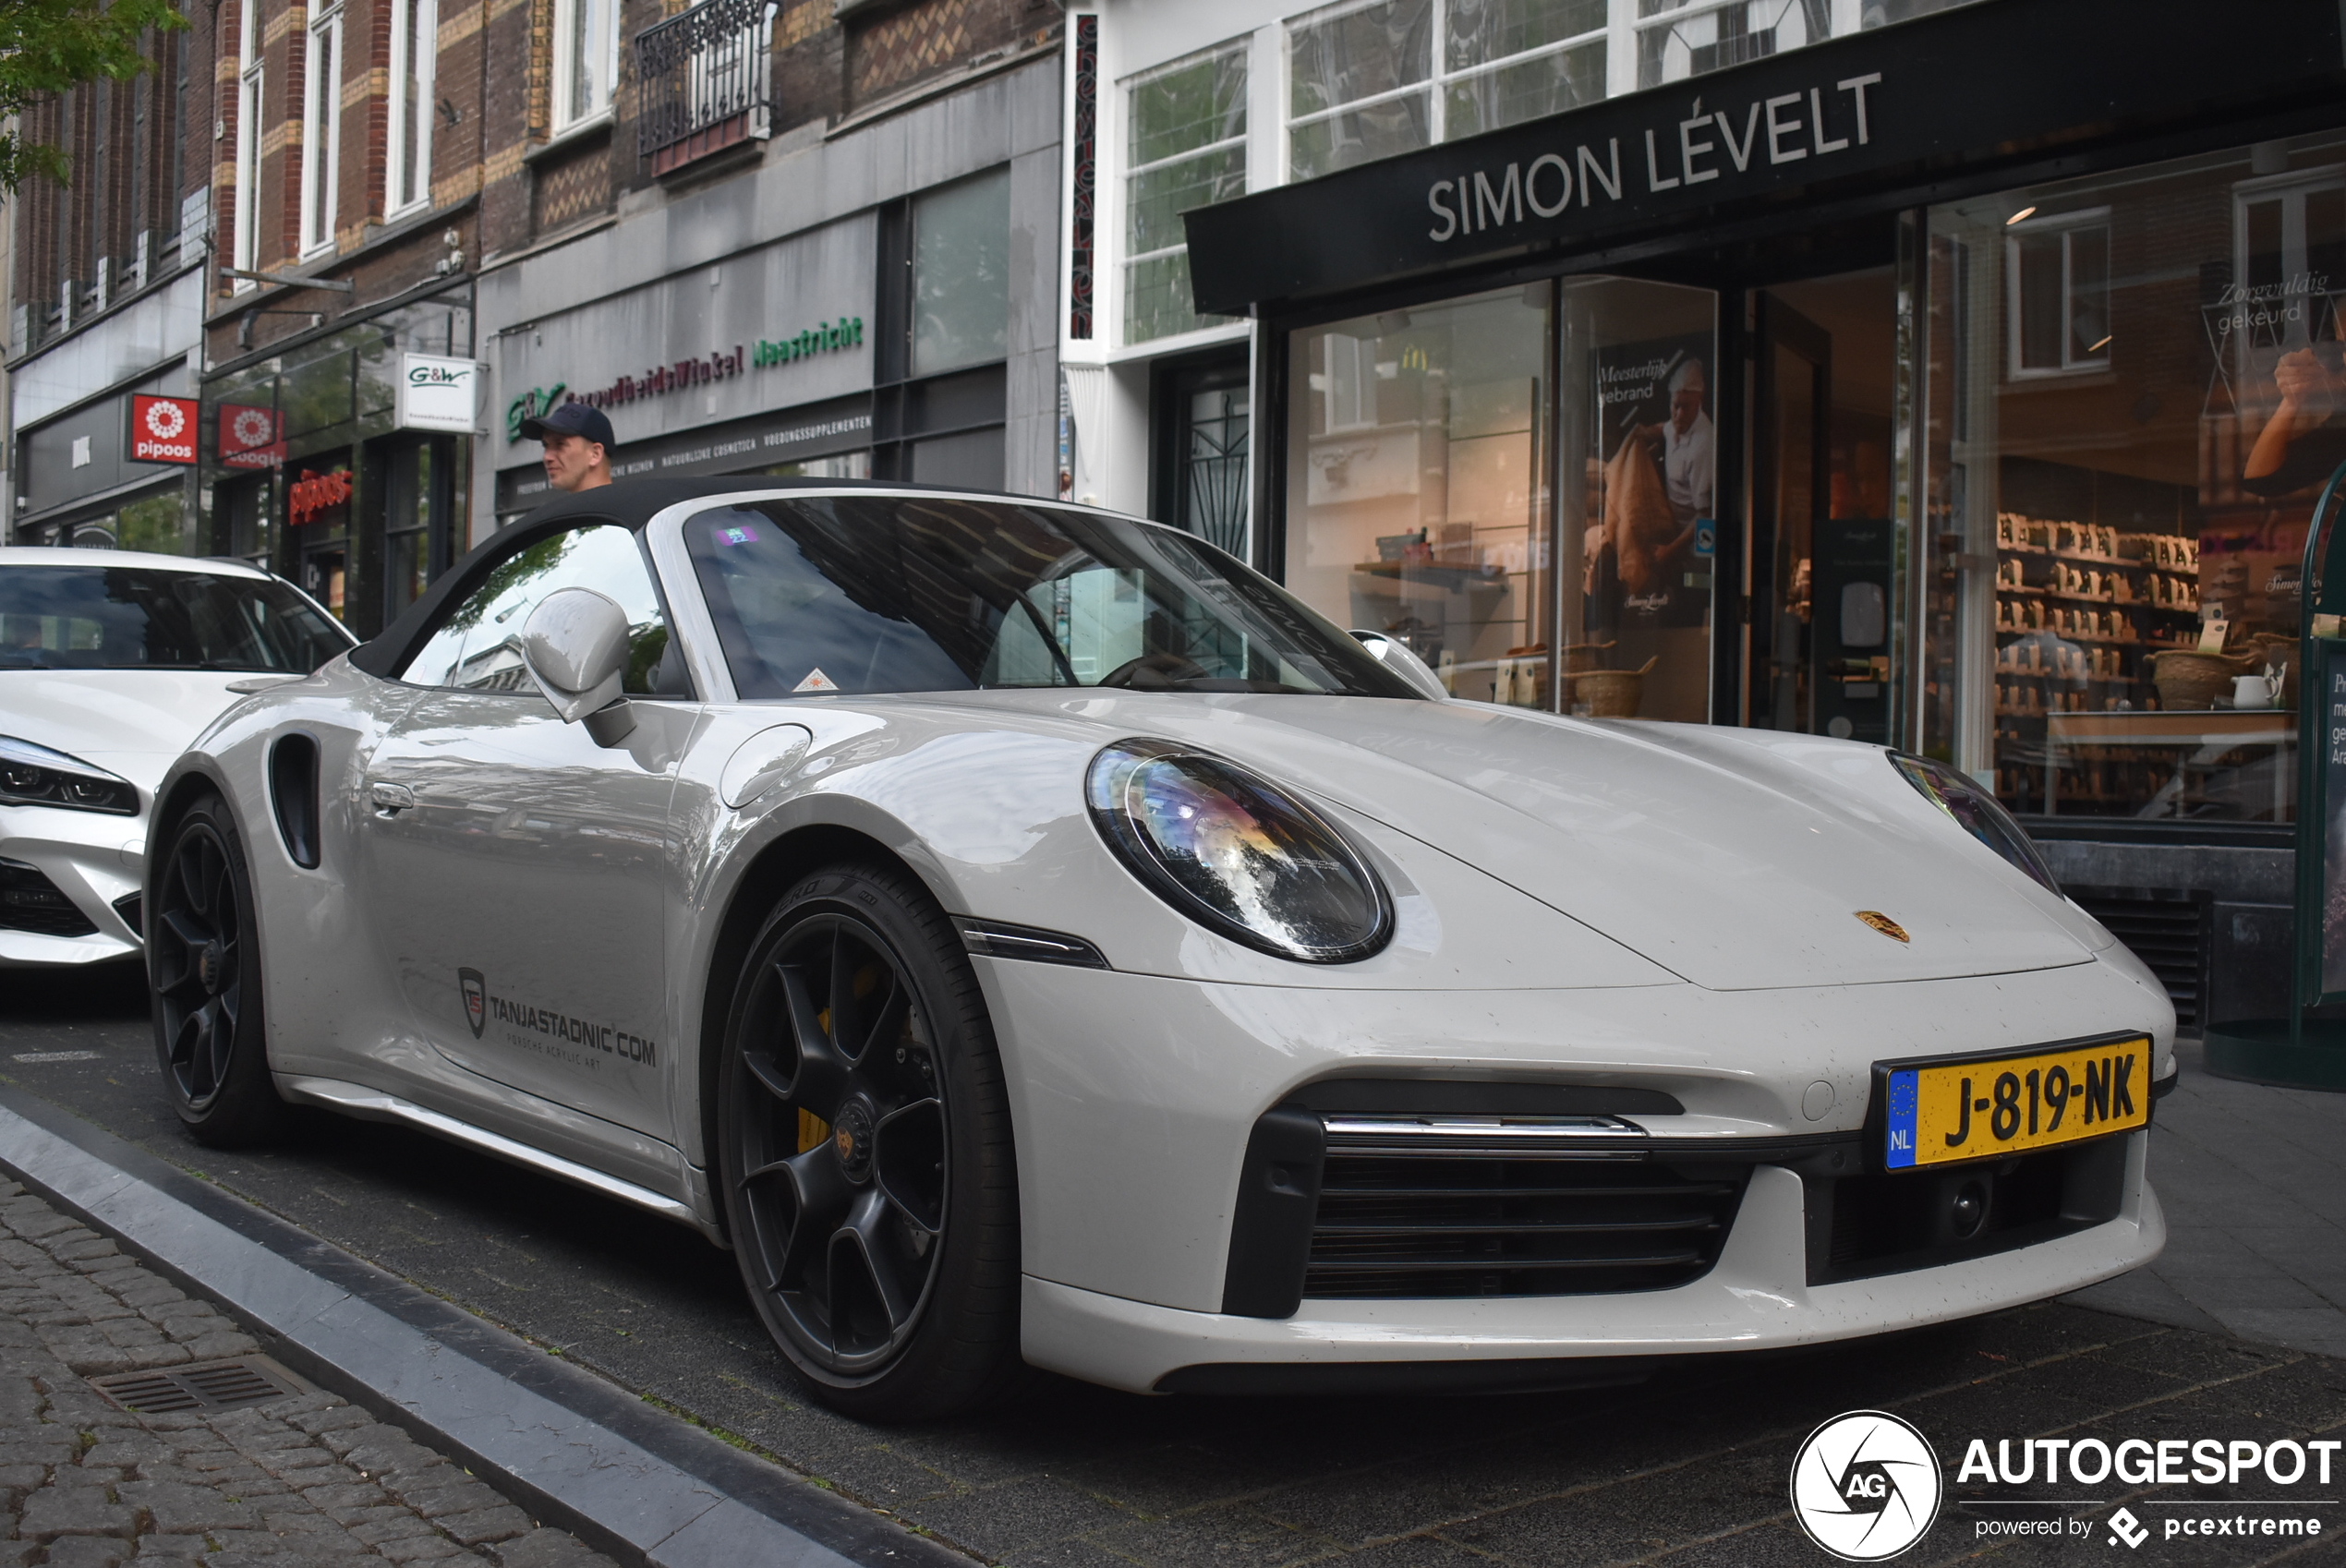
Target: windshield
x=139 y=618
x=863 y=594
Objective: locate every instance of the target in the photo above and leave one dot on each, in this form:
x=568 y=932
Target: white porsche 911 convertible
x=1024 y=932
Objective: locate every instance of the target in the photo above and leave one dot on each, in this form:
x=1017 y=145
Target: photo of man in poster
x=1656 y=454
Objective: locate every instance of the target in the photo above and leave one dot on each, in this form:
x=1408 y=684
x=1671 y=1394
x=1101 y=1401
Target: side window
x=471 y=648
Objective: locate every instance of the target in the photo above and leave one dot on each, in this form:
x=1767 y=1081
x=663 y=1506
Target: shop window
x=2112 y=620
x=321 y=129
x=1185 y=146
x=2058 y=272
x=415 y=27
x=419 y=503
x=1369 y=81
x=962 y=274
x=161 y=524
x=1413 y=496
x=586 y=59
x=249 y=82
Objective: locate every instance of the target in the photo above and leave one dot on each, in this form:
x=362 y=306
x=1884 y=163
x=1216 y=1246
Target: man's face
x=1686 y=403
x=570 y=459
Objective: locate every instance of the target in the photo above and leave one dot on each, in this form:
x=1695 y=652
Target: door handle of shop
x=391 y=799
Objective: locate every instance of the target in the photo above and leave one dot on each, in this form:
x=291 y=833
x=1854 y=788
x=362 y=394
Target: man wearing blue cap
x=578 y=446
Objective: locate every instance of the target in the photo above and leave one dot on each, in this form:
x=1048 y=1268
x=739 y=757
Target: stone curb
x=581 y=1454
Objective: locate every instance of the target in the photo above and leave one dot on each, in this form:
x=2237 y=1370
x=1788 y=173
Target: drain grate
x=210 y=1385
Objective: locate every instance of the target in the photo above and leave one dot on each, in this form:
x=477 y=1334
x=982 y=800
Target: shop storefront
x=1964 y=387
x=113 y=472
x=339 y=459
x=877 y=344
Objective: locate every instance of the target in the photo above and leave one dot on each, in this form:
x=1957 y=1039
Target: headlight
x=1236 y=853
x=35 y=776
x=1980 y=814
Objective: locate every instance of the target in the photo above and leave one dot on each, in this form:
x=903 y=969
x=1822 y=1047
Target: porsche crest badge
x=475 y=992
x=1884 y=925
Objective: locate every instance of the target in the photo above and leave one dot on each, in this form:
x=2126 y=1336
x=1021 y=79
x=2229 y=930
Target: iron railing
x=707 y=81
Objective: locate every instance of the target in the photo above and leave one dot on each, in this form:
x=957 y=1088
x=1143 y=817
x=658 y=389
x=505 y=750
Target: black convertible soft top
x=628 y=503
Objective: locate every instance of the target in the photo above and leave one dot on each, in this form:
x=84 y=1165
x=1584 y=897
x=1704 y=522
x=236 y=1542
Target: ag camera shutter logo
x=1866 y=1486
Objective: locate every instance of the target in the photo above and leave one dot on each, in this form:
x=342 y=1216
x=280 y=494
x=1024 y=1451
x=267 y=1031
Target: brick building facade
x=298 y=197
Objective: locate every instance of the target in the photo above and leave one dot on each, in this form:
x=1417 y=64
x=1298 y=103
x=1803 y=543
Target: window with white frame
x=321 y=128
x=1368 y=79
x=2057 y=283
x=249 y=84
x=1678 y=39
x=1185 y=146
x=586 y=59
x=415 y=26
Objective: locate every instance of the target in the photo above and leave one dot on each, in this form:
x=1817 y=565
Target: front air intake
x=1452 y=1209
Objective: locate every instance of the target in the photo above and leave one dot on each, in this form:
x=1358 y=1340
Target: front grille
x=2168 y=929
x=1491 y=1224
x=30 y=901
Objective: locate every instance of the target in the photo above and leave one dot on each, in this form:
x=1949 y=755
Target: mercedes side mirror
x=575 y=646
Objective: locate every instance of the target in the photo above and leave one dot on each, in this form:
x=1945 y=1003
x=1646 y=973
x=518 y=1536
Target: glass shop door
x=1819 y=555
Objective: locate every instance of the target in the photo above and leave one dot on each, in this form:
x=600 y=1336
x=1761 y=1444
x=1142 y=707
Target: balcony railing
x=707 y=83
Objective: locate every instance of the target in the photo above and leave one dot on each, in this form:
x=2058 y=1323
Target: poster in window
x=1656 y=454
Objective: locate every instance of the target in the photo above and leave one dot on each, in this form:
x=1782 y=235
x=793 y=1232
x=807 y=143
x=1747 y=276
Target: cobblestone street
x=300 y=1481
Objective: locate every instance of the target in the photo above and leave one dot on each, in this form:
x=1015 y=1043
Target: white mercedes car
x=1019 y=931
x=110 y=662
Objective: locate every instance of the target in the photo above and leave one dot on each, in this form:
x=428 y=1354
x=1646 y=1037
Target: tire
x=865 y=1152
x=203 y=973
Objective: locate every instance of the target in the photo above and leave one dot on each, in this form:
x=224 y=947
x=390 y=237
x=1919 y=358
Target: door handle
x=391 y=799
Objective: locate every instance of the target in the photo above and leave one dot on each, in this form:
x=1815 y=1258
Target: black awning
x=1994 y=82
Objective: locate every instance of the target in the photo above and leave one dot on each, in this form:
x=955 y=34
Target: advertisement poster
x=1657 y=452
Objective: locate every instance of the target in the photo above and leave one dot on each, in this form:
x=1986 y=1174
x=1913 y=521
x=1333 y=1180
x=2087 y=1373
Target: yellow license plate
x=1940 y=1114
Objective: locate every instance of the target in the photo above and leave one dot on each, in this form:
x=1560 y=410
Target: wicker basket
x=1612 y=694
x=2189 y=680
x=1581 y=657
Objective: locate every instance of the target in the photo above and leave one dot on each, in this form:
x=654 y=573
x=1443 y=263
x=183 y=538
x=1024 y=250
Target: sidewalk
x=300 y=1481
x=2253 y=1182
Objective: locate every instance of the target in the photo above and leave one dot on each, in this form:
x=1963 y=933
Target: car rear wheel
x=864 y=1149
x=203 y=968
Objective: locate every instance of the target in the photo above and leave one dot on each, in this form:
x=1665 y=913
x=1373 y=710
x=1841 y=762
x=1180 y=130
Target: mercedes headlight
x=1980 y=813
x=1237 y=854
x=35 y=776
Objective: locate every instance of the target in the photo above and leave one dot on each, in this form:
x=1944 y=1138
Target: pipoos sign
x=162 y=429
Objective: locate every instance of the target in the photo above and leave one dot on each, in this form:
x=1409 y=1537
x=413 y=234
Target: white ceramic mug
x=2252 y=691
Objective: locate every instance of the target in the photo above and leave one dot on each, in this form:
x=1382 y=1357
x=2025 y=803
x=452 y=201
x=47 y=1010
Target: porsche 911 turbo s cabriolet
x=1024 y=932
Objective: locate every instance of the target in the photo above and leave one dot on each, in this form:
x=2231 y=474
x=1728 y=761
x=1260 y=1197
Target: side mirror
x=1403 y=660
x=575 y=646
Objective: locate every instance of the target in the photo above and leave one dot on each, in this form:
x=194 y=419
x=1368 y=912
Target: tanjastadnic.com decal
x=1867 y=1486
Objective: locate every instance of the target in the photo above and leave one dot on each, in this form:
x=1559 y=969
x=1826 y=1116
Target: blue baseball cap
x=571 y=418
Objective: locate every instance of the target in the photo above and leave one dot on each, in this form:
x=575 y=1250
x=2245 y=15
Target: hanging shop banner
x=162 y=429
x=439 y=394
x=251 y=436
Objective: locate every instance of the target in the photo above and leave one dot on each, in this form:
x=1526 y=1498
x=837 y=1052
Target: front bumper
x=1756 y=1298
x=96 y=860
x=1135 y=1097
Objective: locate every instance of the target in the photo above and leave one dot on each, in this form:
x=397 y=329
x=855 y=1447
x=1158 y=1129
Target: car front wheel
x=203 y=968
x=865 y=1146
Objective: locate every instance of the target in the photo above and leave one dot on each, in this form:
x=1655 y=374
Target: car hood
x=133 y=722
x=1736 y=859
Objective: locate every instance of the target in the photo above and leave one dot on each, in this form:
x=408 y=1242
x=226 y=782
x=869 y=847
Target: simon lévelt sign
x=1988 y=83
x=823 y=337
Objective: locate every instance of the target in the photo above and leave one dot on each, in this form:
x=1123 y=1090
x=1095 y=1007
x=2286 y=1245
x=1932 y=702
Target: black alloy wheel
x=204 y=972
x=866 y=1152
